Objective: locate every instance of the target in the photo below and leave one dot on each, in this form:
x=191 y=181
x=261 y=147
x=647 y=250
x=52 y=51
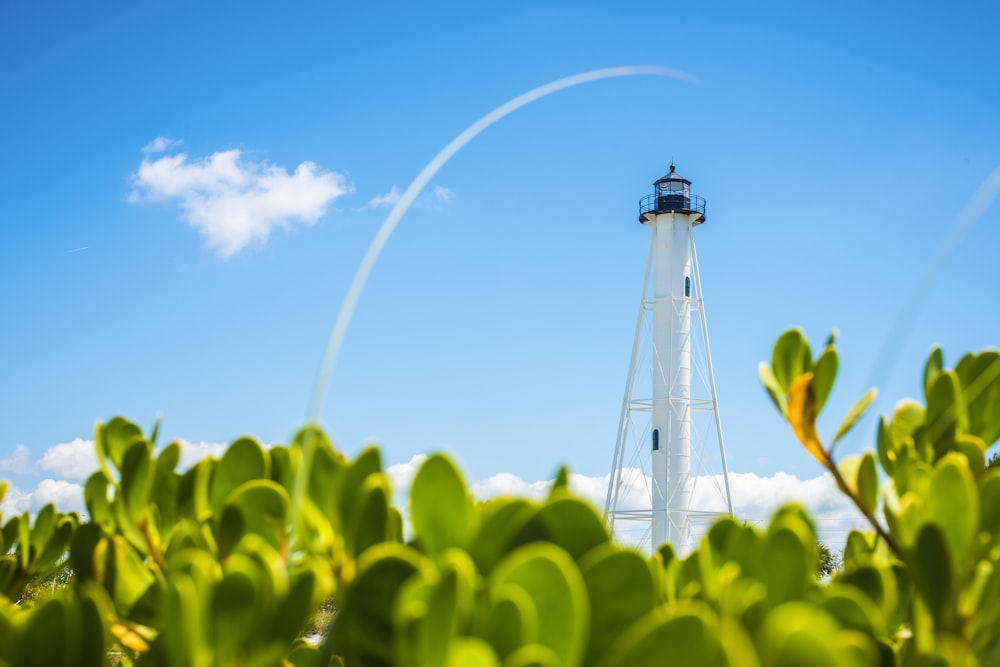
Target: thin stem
x=832 y=467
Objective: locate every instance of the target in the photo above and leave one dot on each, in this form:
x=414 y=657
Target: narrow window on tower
x=656 y=439
x=687 y=286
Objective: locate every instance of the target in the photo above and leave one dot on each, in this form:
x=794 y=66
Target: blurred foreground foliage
x=226 y=563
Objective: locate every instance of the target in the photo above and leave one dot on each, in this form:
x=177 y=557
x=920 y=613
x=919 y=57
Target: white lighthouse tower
x=669 y=476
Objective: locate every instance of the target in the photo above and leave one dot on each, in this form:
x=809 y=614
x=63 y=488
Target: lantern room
x=671 y=194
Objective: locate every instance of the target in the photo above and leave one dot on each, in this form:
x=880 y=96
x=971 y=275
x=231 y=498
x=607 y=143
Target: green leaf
x=243 y=461
x=426 y=617
x=471 y=652
x=373 y=513
x=571 y=524
x=51 y=551
x=790 y=563
x=884 y=446
x=824 y=375
x=933 y=575
x=943 y=412
x=511 y=620
x=50 y=637
x=907 y=417
x=136 y=479
x=560 y=483
x=800 y=634
x=502 y=520
x=790 y=358
x=114 y=438
x=774 y=390
x=954 y=506
x=440 y=506
x=853 y=609
x=552 y=580
x=686 y=638
x=264 y=505
x=979 y=376
x=989 y=495
x=854 y=414
x=620 y=588
x=860 y=474
x=533 y=655
x=365 y=633
x=935 y=362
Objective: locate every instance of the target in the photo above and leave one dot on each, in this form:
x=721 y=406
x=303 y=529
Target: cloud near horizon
x=233 y=201
x=755 y=498
x=439 y=195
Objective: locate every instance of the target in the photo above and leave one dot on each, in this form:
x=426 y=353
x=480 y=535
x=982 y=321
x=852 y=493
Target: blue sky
x=834 y=142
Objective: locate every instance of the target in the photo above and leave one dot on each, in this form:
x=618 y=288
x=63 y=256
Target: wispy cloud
x=74 y=460
x=233 y=201
x=160 y=145
x=19 y=462
x=439 y=195
x=443 y=194
x=385 y=200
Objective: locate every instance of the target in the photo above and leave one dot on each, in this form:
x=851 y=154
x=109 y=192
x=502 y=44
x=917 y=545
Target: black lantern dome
x=671 y=194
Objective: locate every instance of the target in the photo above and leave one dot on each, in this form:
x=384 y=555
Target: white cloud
x=18 y=463
x=439 y=195
x=755 y=498
x=232 y=201
x=385 y=201
x=443 y=194
x=70 y=460
x=67 y=496
x=14 y=502
x=401 y=475
x=192 y=452
x=160 y=145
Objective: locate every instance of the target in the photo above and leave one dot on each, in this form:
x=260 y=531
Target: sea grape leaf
x=790 y=358
x=790 y=563
x=264 y=505
x=572 y=524
x=348 y=482
x=858 y=470
x=954 y=506
x=113 y=440
x=691 y=635
x=373 y=513
x=440 y=506
x=943 y=412
x=471 y=652
x=979 y=375
x=774 y=390
x=501 y=521
x=933 y=367
x=824 y=375
x=136 y=479
x=854 y=414
x=533 y=655
x=620 y=588
x=511 y=621
x=802 y=417
x=552 y=579
x=365 y=632
x=243 y=461
x=934 y=575
x=853 y=609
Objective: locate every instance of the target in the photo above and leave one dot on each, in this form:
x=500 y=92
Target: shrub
x=227 y=562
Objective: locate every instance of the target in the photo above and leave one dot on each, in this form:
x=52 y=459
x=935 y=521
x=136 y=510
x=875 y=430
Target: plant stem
x=832 y=467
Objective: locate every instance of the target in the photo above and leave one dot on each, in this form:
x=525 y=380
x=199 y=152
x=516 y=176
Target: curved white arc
x=418 y=184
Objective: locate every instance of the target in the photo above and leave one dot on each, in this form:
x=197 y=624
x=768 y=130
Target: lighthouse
x=669 y=472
